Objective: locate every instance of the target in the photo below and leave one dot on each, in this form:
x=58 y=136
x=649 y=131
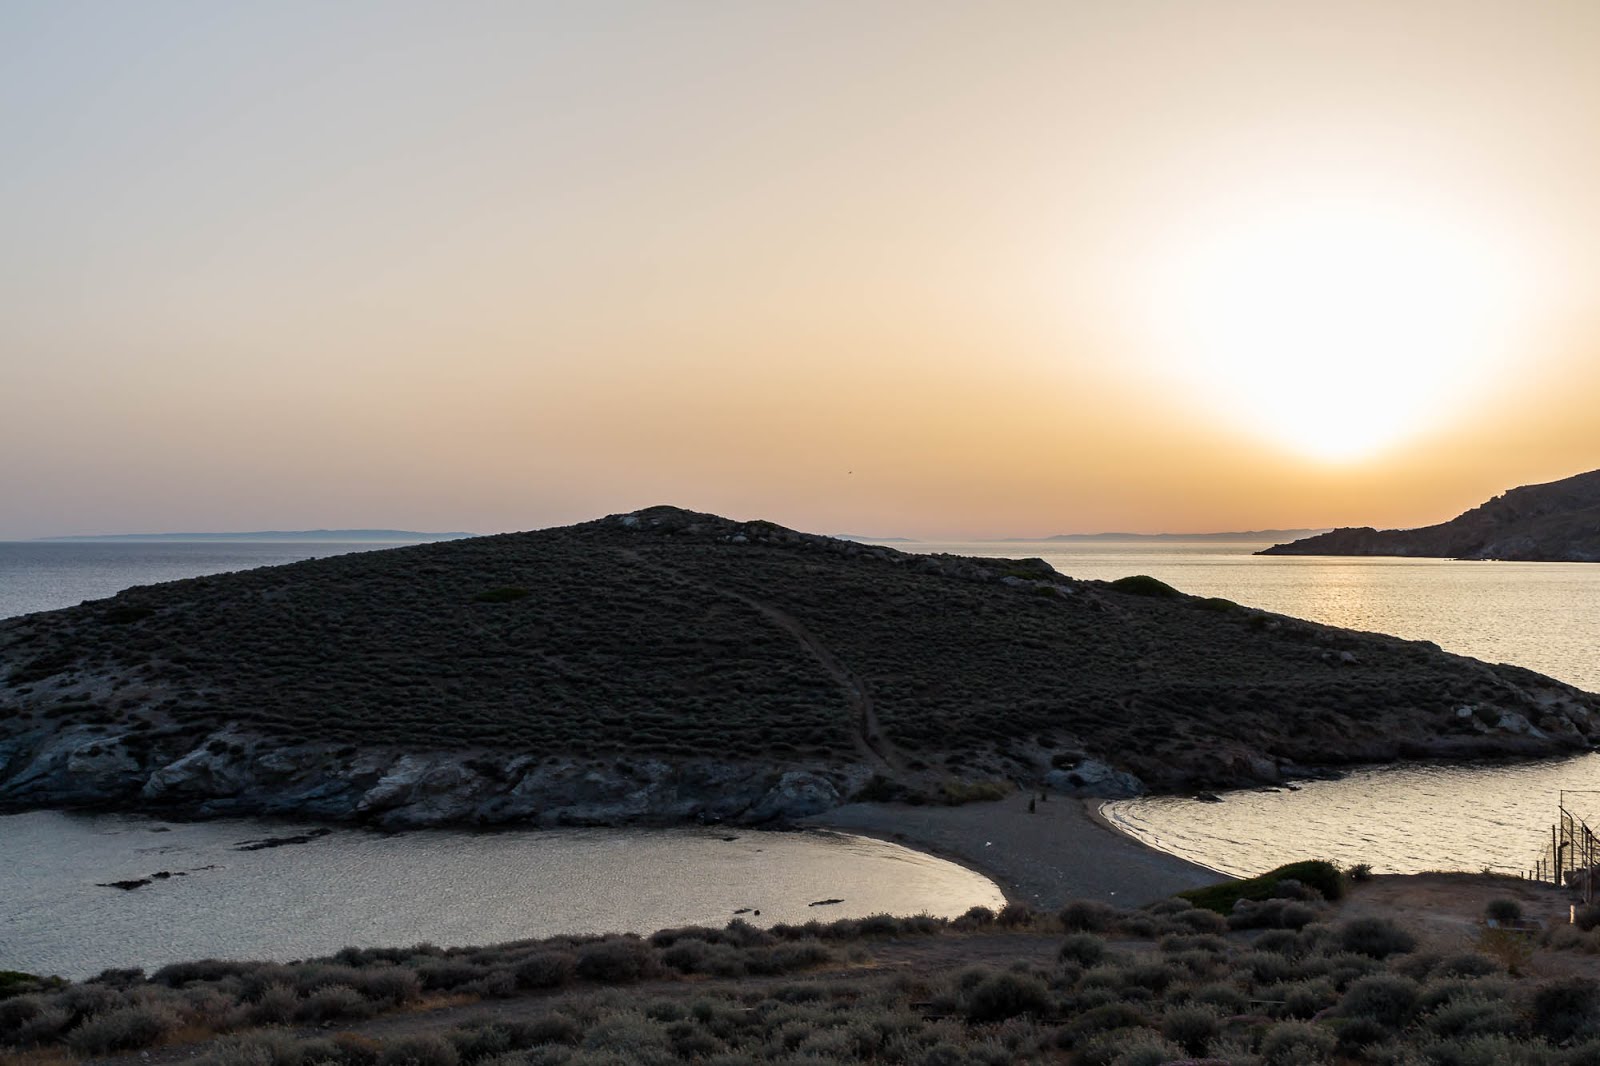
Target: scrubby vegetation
x=1092 y=986
x=1311 y=879
x=673 y=634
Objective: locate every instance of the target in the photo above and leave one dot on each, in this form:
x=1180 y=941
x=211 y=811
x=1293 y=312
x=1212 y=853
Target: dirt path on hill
x=869 y=736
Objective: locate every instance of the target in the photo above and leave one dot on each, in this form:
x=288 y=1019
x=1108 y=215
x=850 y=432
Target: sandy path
x=1057 y=853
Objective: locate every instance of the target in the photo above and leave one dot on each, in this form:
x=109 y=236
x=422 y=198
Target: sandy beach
x=1062 y=851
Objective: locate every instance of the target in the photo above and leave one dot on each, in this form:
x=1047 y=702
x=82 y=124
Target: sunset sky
x=922 y=268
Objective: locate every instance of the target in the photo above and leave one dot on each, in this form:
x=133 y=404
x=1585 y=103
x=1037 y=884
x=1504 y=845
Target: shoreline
x=1065 y=849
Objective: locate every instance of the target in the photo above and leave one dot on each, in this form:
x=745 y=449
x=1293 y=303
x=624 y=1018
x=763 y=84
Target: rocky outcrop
x=232 y=773
x=1555 y=522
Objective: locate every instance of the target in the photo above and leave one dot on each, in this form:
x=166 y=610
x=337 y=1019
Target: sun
x=1335 y=329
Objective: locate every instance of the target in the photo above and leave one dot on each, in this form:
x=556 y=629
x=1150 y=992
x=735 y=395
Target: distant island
x=667 y=666
x=1249 y=534
x=1554 y=522
x=320 y=535
x=859 y=539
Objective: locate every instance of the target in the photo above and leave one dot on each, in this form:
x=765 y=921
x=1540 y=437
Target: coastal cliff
x=1554 y=522
x=667 y=666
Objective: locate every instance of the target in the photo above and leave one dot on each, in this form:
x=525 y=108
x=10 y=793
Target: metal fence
x=1572 y=854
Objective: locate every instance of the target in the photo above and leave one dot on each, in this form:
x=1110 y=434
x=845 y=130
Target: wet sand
x=1062 y=851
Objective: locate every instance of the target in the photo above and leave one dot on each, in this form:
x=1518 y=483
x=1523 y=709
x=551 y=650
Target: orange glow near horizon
x=892 y=269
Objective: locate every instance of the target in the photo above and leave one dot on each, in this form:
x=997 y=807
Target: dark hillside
x=1555 y=522
x=644 y=644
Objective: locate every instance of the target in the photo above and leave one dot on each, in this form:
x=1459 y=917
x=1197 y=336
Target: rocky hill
x=666 y=665
x=1556 y=522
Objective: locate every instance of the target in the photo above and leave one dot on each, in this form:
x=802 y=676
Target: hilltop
x=1554 y=522
x=667 y=665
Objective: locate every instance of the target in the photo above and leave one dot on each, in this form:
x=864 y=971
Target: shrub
x=1509 y=948
x=1472 y=1015
x=126 y=1029
x=1587 y=917
x=1006 y=994
x=1193 y=1026
x=1297 y=1044
x=387 y=984
x=622 y=960
x=1144 y=585
x=1355 y=1034
x=1386 y=997
x=423 y=1050
x=1566 y=1008
x=1360 y=872
x=1013 y=915
x=1322 y=876
x=1303 y=999
x=1377 y=938
x=1129 y=1047
x=1468 y=964
x=1200 y=920
x=1503 y=910
x=1086 y=949
x=547 y=969
x=334 y=1003
x=977 y=916
x=447 y=974
x=1087 y=916
x=1102 y=1019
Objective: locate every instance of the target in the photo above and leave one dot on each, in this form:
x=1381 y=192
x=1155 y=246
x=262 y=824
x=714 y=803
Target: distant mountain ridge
x=1555 y=522
x=277 y=534
x=1249 y=534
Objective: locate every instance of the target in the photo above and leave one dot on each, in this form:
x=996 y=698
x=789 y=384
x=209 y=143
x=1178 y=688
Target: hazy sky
x=909 y=268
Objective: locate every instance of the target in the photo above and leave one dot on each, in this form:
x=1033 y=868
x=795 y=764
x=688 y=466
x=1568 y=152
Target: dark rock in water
x=744 y=910
x=162 y=829
x=126 y=886
x=162 y=876
x=824 y=903
x=279 y=842
x=729 y=840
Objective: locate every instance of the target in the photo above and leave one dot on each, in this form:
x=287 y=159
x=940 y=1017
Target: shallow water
x=1398 y=819
x=450 y=888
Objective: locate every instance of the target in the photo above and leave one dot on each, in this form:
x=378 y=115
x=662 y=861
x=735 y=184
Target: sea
x=479 y=887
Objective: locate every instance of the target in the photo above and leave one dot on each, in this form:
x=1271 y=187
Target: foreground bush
x=1324 y=877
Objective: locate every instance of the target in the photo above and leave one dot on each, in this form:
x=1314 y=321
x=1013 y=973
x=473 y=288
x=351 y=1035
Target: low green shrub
x=1315 y=873
x=1145 y=585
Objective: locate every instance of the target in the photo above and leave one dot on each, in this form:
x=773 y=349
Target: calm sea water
x=49 y=575
x=448 y=888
